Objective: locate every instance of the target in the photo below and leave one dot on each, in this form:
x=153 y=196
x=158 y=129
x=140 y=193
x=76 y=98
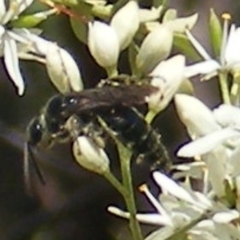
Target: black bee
x=115 y=105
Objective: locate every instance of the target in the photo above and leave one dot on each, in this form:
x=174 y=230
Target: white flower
x=176 y=209
x=9 y=40
x=155 y=47
x=62 y=70
x=167 y=81
x=103 y=44
x=229 y=56
x=16 y=42
x=90 y=156
x=215 y=137
x=126 y=23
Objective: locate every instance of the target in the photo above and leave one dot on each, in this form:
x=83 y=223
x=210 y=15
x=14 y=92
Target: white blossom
x=16 y=42
x=229 y=56
x=155 y=47
x=90 y=156
x=177 y=208
x=167 y=81
x=215 y=136
x=126 y=23
x=62 y=70
x=103 y=44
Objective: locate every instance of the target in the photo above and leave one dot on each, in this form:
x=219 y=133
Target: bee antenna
x=29 y=160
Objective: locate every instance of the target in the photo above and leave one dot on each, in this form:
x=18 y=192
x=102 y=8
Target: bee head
x=34 y=131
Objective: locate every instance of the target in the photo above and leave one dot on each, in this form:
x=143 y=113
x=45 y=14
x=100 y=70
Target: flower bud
x=90 y=156
x=155 y=47
x=198 y=118
x=167 y=81
x=63 y=70
x=126 y=23
x=103 y=44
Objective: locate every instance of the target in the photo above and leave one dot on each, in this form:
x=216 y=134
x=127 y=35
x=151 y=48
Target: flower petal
x=226 y=217
x=150 y=218
x=232 y=51
x=103 y=44
x=90 y=156
x=63 y=70
x=16 y=7
x=149 y=15
x=155 y=47
x=205 y=67
x=197 y=118
x=227 y=115
x=162 y=233
x=12 y=63
x=234 y=163
x=217 y=171
x=120 y=22
x=2 y=10
x=207 y=143
x=170 y=186
x=167 y=81
x=181 y=24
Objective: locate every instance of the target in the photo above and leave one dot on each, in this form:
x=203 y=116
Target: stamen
x=205 y=181
x=199 y=48
x=226 y=17
x=144 y=189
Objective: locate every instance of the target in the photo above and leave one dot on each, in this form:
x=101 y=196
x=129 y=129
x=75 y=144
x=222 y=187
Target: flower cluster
x=212 y=211
x=183 y=212
x=23 y=42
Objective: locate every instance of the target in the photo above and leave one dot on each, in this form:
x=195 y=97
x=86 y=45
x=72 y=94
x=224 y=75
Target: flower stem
x=150 y=116
x=112 y=71
x=129 y=196
x=114 y=181
x=126 y=187
x=224 y=87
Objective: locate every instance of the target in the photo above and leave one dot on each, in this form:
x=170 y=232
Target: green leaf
x=182 y=43
x=79 y=24
x=215 y=33
x=80 y=29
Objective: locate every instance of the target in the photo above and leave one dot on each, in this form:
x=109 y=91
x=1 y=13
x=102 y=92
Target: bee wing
x=108 y=97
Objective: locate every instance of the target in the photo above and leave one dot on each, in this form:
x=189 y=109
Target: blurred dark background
x=73 y=203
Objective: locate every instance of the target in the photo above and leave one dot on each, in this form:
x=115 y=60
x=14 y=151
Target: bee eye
x=54 y=106
x=35 y=131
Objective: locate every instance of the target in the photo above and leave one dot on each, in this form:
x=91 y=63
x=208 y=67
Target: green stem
x=126 y=187
x=224 y=87
x=150 y=116
x=112 y=71
x=129 y=197
x=111 y=178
